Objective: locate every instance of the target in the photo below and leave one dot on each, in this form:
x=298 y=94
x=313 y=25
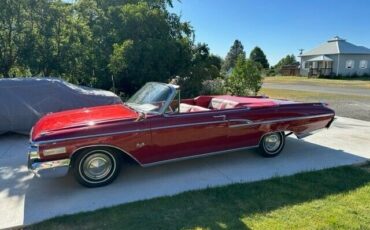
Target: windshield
x=152 y=97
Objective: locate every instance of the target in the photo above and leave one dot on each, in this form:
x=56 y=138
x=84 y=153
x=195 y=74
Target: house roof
x=320 y=58
x=337 y=45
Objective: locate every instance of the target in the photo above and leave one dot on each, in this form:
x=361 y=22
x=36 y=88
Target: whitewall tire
x=95 y=167
x=272 y=144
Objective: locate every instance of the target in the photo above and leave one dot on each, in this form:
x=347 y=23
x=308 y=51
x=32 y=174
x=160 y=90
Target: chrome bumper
x=56 y=168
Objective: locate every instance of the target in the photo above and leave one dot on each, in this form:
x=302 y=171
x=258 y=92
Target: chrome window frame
x=170 y=98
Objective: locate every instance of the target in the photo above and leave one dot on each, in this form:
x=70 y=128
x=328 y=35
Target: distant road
x=347 y=100
x=347 y=90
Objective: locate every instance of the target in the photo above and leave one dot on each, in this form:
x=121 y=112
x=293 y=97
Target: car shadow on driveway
x=25 y=199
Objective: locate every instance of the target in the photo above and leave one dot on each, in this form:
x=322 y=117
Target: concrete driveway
x=26 y=200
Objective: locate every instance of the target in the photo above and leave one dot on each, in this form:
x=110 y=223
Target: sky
x=279 y=27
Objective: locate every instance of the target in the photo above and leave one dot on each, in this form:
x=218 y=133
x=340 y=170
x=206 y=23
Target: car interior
x=214 y=104
x=206 y=103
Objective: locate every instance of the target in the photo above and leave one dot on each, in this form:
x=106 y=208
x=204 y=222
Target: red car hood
x=54 y=122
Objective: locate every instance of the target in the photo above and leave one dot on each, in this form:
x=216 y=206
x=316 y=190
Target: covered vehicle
x=156 y=126
x=25 y=100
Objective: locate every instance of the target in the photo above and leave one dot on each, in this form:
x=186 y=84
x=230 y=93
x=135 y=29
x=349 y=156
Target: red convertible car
x=156 y=126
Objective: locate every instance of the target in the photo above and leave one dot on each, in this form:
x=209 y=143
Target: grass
x=327 y=199
x=310 y=96
x=365 y=83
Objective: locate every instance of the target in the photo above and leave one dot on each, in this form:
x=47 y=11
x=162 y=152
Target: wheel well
x=123 y=155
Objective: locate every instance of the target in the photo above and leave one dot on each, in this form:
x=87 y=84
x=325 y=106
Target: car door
x=242 y=130
x=182 y=135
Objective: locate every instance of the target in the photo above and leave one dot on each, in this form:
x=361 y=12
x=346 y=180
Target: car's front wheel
x=96 y=167
x=272 y=144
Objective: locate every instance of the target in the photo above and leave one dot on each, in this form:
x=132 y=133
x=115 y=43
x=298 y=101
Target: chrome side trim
x=104 y=145
x=89 y=136
x=197 y=156
x=182 y=125
x=247 y=122
x=190 y=124
x=223 y=116
x=292 y=119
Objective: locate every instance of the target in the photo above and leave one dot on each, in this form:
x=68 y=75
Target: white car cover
x=25 y=100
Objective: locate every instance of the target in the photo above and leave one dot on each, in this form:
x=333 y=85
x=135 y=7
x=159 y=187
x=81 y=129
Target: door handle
x=220 y=116
x=240 y=123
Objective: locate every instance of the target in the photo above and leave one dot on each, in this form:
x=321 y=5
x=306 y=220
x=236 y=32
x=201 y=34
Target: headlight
x=54 y=151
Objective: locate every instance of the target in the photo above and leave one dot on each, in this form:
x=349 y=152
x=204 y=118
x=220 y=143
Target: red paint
x=55 y=122
x=172 y=136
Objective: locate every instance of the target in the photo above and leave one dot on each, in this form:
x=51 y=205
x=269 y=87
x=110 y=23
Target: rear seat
x=219 y=103
x=186 y=108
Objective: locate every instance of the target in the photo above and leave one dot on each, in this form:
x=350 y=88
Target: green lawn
x=337 y=198
x=300 y=95
x=365 y=83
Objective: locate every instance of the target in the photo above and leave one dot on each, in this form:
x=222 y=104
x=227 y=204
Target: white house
x=336 y=57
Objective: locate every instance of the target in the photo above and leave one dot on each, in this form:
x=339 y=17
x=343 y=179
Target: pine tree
x=236 y=50
x=257 y=55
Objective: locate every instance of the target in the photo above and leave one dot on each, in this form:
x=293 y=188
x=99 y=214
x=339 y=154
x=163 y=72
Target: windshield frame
x=170 y=98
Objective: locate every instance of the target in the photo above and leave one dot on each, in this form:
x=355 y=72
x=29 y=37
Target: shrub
x=271 y=72
x=213 y=87
x=245 y=79
x=19 y=71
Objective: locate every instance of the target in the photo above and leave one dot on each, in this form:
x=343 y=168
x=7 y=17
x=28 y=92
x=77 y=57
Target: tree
x=151 y=47
x=11 y=34
x=258 y=56
x=235 y=51
x=245 y=78
x=88 y=41
x=203 y=66
x=287 y=60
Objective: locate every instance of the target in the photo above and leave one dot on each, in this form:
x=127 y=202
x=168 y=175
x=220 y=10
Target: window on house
x=306 y=65
x=314 y=65
x=350 y=64
x=363 y=64
x=330 y=65
x=327 y=64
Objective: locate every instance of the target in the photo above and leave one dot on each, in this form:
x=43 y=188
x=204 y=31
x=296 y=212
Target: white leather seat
x=186 y=108
x=219 y=103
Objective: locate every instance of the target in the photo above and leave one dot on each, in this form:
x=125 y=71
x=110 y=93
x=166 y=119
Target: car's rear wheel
x=96 y=167
x=272 y=144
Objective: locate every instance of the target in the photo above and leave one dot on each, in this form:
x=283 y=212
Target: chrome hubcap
x=97 y=166
x=272 y=142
